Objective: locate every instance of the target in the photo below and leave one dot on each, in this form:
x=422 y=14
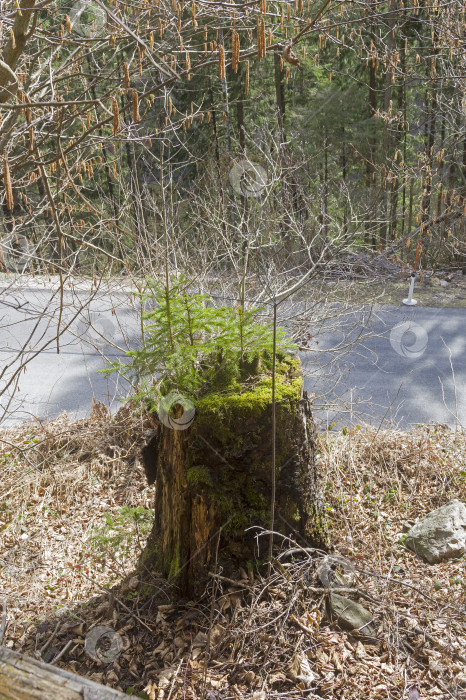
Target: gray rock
x=443 y=283
x=351 y=615
x=441 y=534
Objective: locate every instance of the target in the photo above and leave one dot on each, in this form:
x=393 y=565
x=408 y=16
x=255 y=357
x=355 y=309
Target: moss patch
x=199 y=475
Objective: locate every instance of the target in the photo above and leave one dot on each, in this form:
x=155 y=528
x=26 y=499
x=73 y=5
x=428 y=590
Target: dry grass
x=263 y=637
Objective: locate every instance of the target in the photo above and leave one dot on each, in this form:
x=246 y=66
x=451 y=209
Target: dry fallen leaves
x=267 y=637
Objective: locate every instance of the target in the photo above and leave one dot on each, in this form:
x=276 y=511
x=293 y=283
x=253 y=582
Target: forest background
x=230 y=137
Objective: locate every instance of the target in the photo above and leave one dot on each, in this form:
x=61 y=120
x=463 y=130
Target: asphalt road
x=409 y=367
x=62 y=377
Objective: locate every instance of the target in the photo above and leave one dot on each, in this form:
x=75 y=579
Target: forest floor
x=75 y=510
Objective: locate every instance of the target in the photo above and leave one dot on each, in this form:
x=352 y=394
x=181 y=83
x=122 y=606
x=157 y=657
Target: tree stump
x=213 y=481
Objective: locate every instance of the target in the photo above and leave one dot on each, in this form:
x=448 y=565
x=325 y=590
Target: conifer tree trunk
x=370 y=163
x=389 y=80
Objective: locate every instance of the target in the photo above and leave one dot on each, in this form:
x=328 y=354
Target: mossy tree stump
x=213 y=481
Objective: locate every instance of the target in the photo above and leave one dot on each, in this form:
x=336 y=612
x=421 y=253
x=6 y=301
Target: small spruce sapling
x=194 y=348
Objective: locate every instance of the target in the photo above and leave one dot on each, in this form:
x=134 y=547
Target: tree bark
x=25 y=678
x=213 y=482
x=14 y=48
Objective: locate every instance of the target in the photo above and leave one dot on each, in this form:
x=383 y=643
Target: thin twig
x=3 y=623
x=240 y=584
x=40 y=653
x=63 y=651
x=174 y=679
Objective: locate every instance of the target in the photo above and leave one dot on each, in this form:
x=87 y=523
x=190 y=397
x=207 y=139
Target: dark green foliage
x=196 y=348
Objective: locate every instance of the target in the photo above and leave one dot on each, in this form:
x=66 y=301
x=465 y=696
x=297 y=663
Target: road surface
x=409 y=368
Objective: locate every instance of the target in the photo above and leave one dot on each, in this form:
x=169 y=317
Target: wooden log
x=213 y=482
x=25 y=678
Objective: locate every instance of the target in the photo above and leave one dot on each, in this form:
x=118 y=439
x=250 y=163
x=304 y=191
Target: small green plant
x=392 y=494
x=120 y=531
x=193 y=347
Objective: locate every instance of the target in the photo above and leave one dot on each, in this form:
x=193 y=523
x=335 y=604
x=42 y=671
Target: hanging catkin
x=7 y=179
x=135 y=100
x=116 y=116
x=140 y=57
x=260 y=38
x=234 y=51
x=188 y=64
x=221 y=61
x=126 y=71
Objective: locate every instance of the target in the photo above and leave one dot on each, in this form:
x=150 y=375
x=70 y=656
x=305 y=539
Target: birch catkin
x=7 y=179
x=126 y=71
x=221 y=61
x=135 y=101
x=116 y=116
x=140 y=57
x=260 y=38
x=234 y=51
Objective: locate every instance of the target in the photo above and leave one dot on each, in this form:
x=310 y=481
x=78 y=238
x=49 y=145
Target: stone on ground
x=441 y=534
x=351 y=615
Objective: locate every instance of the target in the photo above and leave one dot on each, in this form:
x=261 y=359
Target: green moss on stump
x=217 y=474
